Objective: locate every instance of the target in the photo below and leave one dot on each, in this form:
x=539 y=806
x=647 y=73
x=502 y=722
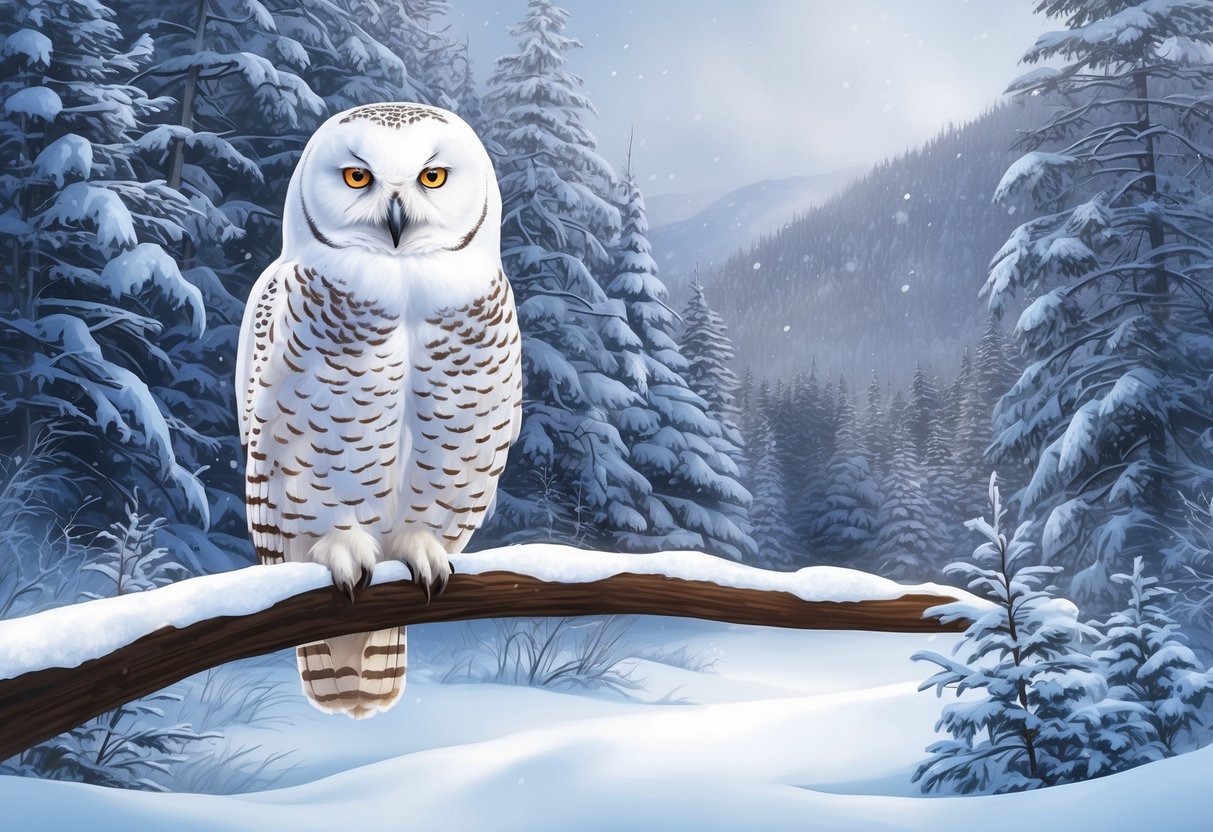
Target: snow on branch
x=64 y=666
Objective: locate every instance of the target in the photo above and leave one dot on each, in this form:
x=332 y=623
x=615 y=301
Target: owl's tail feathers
x=357 y=675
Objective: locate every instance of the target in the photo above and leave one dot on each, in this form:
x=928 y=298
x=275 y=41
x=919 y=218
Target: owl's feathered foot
x=350 y=556
x=426 y=559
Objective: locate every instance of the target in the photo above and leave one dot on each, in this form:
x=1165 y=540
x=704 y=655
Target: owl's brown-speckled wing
x=256 y=371
x=464 y=410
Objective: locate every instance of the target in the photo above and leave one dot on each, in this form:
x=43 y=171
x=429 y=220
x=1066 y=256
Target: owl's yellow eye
x=357 y=177
x=433 y=177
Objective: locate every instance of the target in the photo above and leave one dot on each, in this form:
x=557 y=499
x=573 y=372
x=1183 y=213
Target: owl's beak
x=396 y=220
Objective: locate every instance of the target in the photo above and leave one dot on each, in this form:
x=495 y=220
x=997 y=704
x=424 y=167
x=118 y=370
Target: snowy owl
x=380 y=369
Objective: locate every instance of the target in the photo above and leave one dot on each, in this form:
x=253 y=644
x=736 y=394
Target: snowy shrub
x=561 y=653
x=131 y=560
x=1144 y=658
x=1038 y=711
x=117 y=749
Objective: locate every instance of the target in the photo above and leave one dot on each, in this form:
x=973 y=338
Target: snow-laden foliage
x=908 y=525
x=1037 y=712
x=1145 y=660
x=95 y=300
x=846 y=529
x=238 y=102
x=1114 y=405
x=770 y=519
x=676 y=440
x=556 y=226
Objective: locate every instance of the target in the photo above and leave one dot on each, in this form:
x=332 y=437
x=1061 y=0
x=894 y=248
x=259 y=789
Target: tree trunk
x=43 y=703
x=177 y=157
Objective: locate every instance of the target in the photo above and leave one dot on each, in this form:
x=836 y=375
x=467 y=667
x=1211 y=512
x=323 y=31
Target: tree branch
x=38 y=704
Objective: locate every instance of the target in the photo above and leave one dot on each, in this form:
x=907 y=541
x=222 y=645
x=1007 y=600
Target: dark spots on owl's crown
x=394 y=115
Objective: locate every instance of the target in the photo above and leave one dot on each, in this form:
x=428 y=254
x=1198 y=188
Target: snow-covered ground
x=793 y=730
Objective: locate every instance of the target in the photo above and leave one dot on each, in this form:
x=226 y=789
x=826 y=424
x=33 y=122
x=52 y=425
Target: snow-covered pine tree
x=706 y=345
x=769 y=516
x=1040 y=714
x=695 y=500
x=1114 y=407
x=875 y=427
x=745 y=394
x=992 y=370
x=1144 y=658
x=945 y=488
x=238 y=99
x=430 y=53
x=922 y=407
x=847 y=527
x=816 y=442
x=350 y=61
x=92 y=288
x=556 y=225
x=467 y=98
x=908 y=527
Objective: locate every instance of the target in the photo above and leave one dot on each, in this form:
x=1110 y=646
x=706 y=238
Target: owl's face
x=395 y=179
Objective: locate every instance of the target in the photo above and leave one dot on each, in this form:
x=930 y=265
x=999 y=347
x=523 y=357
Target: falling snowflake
x=787 y=327
x=905 y=287
x=757 y=266
x=907 y=196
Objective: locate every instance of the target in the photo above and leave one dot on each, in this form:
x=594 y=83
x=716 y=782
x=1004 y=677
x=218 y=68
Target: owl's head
x=397 y=179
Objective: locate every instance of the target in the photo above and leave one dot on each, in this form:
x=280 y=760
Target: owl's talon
x=349 y=555
x=425 y=558
x=365 y=580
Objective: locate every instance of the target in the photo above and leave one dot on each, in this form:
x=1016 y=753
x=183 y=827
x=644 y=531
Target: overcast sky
x=725 y=94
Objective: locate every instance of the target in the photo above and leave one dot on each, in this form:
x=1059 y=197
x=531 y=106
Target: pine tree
x=815 y=438
x=769 y=514
x=1041 y=711
x=467 y=98
x=875 y=425
x=946 y=488
x=709 y=352
x=1145 y=661
x=695 y=500
x=922 y=407
x=847 y=527
x=234 y=77
x=908 y=528
x=555 y=231
x=355 y=50
x=993 y=372
x=1114 y=406
x=93 y=291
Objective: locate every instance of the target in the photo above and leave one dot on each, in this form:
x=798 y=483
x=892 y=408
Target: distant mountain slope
x=885 y=273
x=734 y=220
x=665 y=209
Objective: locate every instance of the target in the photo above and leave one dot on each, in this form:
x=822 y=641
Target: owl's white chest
x=368 y=416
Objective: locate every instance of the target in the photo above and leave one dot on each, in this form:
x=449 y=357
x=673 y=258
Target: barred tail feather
x=358 y=675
